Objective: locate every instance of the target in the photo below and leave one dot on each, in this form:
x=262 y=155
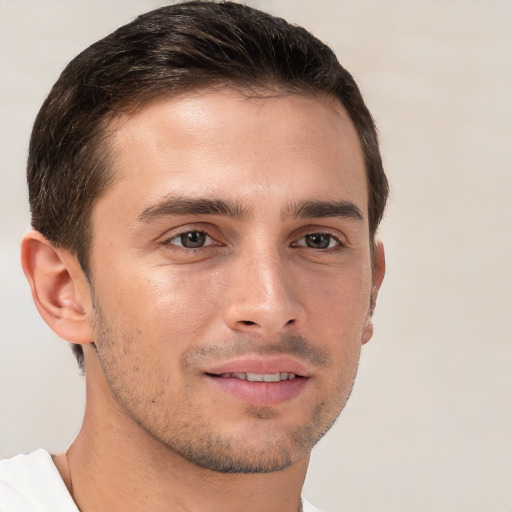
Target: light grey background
x=429 y=424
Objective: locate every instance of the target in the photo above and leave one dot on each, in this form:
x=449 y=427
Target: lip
x=263 y=394
x=254 y=364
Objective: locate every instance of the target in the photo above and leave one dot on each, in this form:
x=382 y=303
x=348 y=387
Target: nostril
x=290 y=321
x=248 y=322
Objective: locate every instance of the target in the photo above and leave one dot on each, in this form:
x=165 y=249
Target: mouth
x=260 y=381
x=257 y=377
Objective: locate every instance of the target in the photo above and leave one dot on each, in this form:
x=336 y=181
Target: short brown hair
x=186 y=46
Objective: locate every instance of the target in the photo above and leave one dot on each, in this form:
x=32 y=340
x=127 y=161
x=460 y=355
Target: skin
x=270 y=279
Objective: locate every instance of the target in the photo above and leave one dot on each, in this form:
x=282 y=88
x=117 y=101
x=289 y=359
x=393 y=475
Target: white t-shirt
x=32 y=483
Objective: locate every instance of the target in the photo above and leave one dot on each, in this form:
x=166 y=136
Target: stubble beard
x=190 y=434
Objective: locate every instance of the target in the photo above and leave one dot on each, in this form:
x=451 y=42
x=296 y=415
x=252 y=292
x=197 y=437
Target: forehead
x=225 y=143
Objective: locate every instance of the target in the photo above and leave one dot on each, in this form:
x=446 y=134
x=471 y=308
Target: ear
x=60 y=289
x=379 y=269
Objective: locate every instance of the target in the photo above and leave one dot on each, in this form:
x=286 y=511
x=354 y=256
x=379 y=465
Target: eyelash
x=339 y=244
x=169 y=241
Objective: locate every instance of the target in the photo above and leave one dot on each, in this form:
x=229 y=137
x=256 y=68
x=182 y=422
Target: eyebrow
x=179 y=205
x=319 y=209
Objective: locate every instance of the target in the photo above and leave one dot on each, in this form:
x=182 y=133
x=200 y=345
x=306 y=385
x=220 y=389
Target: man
x=205 y=187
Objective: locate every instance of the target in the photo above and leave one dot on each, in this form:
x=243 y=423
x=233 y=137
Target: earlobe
x=379 y=269
x=59 y=288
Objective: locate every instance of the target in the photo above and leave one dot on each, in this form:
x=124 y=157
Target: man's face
x=232 y=274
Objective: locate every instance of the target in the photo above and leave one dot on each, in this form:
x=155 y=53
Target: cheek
x=341 y=302
x=337 y=315
x=165 y=308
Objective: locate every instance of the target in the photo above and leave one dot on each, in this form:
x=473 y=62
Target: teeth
x=261 y=377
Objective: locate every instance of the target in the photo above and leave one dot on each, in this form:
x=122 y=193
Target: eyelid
x=334 y=248
x=339 y=243
x=177 y=237
x=174 y=233
x=321 y=230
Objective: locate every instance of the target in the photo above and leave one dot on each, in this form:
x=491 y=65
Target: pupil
x=318 y=241
x=193 y=239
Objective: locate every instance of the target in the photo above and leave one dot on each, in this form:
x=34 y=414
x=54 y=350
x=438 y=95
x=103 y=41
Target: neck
x=115 y=465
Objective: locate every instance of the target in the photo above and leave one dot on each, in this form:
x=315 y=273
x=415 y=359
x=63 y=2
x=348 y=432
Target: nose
x=263 y=297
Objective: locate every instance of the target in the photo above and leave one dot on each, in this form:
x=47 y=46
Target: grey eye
x=318 y=241
x=191 y=239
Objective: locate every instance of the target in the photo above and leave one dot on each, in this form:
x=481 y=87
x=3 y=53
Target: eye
x=190 y=240
x=318 y=241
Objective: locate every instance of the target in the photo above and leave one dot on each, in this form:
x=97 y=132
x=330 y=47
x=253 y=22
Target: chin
x=265 y=445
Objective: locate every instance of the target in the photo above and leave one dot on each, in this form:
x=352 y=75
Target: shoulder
x=32 y=483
